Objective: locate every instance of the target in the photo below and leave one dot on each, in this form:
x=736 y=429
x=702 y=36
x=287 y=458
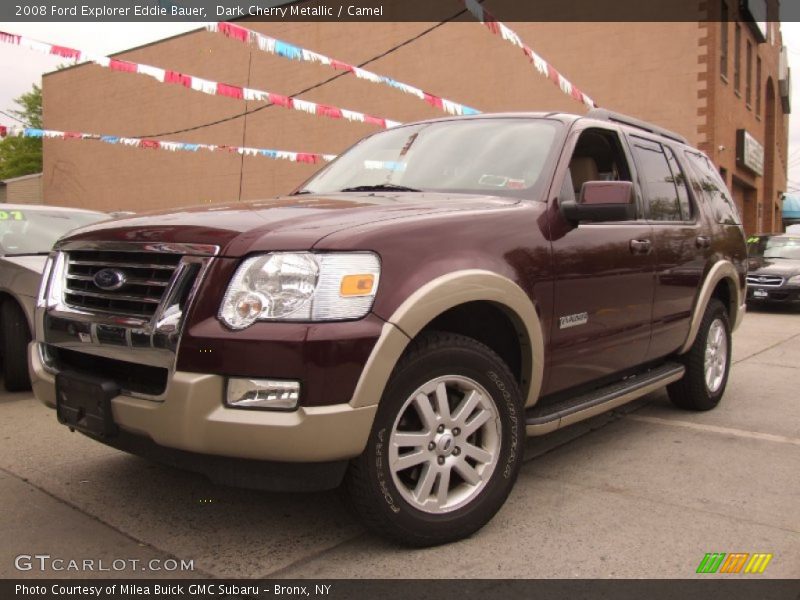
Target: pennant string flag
x=198 y=84
x=541 y=65
x=283 y=49
x=299 y=157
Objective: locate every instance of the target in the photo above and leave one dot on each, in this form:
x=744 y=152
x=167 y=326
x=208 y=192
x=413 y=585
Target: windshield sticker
x=493 y=180
x=387 y=165
x=752 y=239
x=12 y=215
x=515 y=184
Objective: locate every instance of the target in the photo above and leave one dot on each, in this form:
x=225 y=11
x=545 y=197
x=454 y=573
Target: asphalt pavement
x=644 y=492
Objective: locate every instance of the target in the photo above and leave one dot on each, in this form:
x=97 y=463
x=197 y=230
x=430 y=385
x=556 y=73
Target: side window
x=598 y=156
x=680 y=183
x=661 y=193
x=709 y=187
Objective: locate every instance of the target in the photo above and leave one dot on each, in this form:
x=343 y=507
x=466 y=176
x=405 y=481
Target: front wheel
x=445 y=447
x=707 y=362
x=16 y=337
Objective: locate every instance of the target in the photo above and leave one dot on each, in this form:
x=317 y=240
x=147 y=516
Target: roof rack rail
x=602 y=114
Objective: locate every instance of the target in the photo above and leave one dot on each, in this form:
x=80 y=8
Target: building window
x=758 y=85
x=723 y=41
x=748 y=84
x=737 y=58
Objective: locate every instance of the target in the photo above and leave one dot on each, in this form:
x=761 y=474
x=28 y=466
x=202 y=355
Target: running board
x=540 y=420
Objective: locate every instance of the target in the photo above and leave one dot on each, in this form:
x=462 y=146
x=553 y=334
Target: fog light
x=263 y=393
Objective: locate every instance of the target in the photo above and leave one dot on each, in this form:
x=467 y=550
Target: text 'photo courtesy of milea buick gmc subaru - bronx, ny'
x=401 y=321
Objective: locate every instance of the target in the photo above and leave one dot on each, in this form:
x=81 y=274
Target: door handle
x=640 y=246
x=703 y=241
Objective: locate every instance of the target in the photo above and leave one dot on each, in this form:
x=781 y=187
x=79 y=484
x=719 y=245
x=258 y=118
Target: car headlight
x=301 y=286
x=794 y=280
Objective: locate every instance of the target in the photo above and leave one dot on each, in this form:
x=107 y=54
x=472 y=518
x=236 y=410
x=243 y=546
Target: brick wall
x=655 y=71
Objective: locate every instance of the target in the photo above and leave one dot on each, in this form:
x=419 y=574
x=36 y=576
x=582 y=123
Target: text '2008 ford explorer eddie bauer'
x=399 y=323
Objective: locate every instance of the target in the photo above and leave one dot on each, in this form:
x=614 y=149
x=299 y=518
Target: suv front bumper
x=192 y=418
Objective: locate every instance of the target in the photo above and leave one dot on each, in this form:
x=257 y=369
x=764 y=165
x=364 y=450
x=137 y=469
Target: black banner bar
x=371 y=10
x=729 y=588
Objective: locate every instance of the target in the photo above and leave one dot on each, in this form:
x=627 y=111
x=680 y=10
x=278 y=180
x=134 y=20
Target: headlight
x=794 y=280
x=301 y=286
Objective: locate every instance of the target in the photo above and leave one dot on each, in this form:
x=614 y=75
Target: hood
x=33 y=263
x=783 y=267
x=283 y=223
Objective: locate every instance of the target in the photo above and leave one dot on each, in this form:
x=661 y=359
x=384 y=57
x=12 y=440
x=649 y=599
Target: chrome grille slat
x=765 y=280
x=113 y=296
x=147 y=278
x=101 y=264
x=129 y=281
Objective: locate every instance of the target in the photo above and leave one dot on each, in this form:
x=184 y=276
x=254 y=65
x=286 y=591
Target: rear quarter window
x=710 y=190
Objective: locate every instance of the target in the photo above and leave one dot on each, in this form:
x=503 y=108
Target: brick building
x=26 y=189
x=717 y=83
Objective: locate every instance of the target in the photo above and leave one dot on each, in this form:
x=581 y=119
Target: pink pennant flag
x=435 y=101
x=9 y=38
x=122 y=65
x=234 y=31
x=329 y=111
x=232 y=91
x=307 y=158
x=150 y=144
x=65 y=52
x=283 y=101
x=180 y=78
x=342 y=66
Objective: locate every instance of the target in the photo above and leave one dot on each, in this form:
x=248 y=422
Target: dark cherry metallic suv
x=400 y=322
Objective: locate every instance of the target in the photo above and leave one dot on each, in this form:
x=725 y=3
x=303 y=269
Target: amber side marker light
x=357 y=285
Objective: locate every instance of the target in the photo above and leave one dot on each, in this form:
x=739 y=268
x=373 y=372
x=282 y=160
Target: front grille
x=147 y=276
x=131 y=377
x=765 y=280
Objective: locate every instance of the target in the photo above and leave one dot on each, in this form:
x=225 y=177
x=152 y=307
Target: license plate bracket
x=83 y=402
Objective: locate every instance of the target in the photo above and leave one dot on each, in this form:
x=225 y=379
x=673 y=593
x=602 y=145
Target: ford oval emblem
x=109 y=279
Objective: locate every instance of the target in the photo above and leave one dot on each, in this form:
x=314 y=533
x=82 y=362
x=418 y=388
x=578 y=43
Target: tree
x=18 y=155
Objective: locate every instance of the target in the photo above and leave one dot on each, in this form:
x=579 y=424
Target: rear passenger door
x=681 y=242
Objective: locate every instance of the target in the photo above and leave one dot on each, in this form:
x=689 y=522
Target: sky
x=20 y=68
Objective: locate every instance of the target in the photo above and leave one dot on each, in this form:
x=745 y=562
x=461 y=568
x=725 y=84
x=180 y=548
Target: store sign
x=749 y=153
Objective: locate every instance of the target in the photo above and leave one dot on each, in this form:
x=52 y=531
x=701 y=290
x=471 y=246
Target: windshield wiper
x=298 y=192
x=380 y=187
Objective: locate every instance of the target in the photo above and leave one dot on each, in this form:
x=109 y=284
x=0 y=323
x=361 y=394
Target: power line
x=316 y=85
x=2 y=112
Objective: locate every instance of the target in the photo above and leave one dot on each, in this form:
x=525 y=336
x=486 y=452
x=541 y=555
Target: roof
x=20 y=178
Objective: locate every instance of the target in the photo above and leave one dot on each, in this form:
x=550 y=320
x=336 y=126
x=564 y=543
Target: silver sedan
x=27 y=233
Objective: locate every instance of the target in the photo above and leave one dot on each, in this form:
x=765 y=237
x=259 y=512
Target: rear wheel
x=707 y=362
x=16 y=337
x=446 y=445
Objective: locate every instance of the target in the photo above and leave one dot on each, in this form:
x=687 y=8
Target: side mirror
x=602 y=201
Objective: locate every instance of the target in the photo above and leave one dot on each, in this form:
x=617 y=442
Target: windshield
x=35 y=230
x=487 y=156
x=774 y=247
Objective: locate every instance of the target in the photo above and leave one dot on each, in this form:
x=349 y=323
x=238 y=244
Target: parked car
x=773 y=274
x=407 y=316
x=27 y=233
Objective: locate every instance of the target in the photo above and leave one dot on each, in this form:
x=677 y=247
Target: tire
x=16 y=337
x=702 y=388
x=419 y=505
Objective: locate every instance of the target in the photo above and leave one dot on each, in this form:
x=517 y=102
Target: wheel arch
x=721 y=282
x=449 y=300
